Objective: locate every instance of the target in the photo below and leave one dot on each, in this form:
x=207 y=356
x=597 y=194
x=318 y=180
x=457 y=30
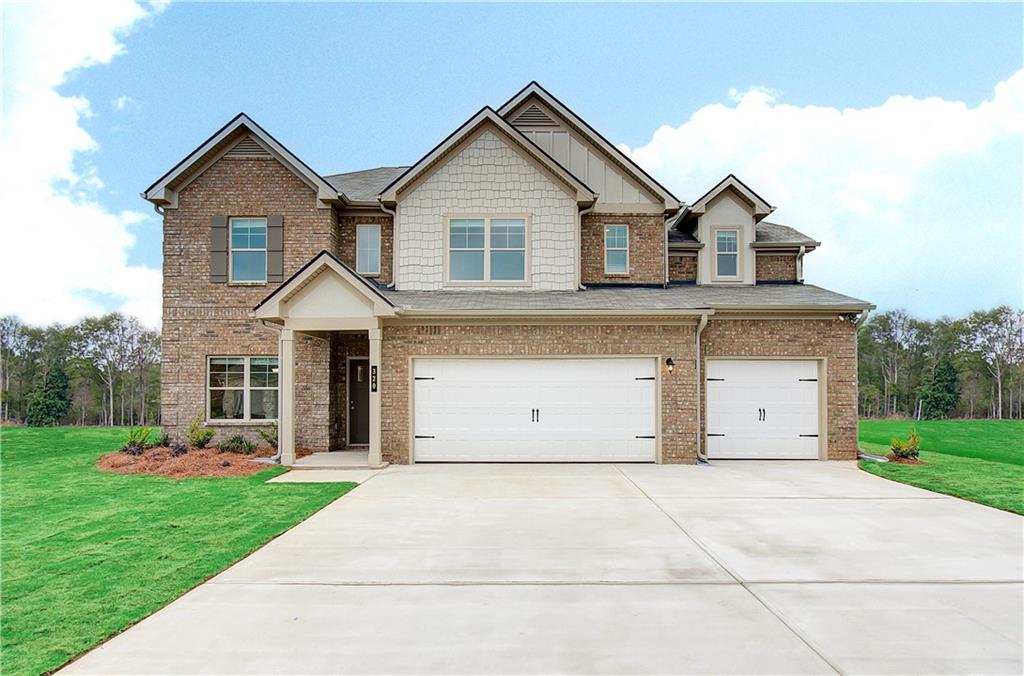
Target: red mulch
x=198 y=462
x=905 y=461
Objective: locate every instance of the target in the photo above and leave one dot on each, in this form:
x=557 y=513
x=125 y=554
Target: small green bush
x=178 y=449
x=162 y=441
x=237 y=444
x=137 y=441
x=197 y=435
x=910 y=448
x=269 y=436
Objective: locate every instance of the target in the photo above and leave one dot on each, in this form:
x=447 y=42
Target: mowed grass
x=87 y=553
x=978 y=460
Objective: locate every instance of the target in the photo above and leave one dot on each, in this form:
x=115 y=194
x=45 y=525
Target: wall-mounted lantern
x=670 y=365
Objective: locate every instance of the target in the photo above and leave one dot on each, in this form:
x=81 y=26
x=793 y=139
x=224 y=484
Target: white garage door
x=762 y=409
x=534 y=410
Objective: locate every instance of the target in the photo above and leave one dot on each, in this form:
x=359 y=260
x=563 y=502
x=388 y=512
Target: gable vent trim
x=534 y=117
x=246 y=148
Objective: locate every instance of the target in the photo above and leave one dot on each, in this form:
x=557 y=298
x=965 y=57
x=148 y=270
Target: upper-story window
x=727 y=253
x=368 y=249
x=616 y=249
x=485 y=249
x=248 y=260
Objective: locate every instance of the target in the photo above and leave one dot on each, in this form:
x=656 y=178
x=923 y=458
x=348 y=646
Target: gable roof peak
x=732 y=182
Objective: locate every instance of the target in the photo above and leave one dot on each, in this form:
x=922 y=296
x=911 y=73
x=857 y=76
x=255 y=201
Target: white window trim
x=739 y=250
x=380 y=245
x=246 y=389
x=232 y=249
x=607 y=272
x=486 y=281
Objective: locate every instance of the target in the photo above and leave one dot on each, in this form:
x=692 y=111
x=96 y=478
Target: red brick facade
x=776 y=267
x=682 y=268
x=646 y=248
x=347 y=241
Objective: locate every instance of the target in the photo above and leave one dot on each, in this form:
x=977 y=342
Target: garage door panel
x=762 y=409
x=541 y=410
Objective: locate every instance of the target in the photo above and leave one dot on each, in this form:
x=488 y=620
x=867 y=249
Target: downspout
x=579 y=245
x=665 y=285
x=800 y=264
x=862 y=318
x=394 y=241
x=701 y=455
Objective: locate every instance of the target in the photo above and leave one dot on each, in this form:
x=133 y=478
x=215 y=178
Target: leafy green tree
x=50 y=403
x=940 y=393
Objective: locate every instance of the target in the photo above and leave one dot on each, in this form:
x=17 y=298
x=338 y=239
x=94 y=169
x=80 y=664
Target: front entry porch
x=351 y=459
x=328 y=300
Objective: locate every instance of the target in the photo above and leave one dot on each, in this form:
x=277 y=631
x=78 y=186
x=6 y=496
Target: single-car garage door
x=534 y=410
x=765 y=409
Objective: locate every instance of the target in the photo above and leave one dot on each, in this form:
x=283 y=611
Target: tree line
x=970 y=367
x=100 y=371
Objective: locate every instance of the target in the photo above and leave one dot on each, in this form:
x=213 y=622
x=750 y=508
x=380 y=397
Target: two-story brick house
x=523 y=292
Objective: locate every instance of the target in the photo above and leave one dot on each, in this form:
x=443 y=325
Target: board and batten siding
x=487 y=176
x=573 y=151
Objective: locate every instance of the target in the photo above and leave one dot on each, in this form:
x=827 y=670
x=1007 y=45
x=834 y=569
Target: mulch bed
x=198 y=462
x=905 y=461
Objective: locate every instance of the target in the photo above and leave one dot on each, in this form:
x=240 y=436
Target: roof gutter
x=569 y=312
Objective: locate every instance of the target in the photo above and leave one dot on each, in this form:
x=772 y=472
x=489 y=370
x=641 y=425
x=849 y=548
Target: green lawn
x=87 y=553
x=978 y=460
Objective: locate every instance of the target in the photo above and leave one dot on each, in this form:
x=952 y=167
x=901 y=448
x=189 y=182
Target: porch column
x=286 y=384
x=375 y=379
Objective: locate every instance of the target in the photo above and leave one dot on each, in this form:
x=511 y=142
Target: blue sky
x=352 y=86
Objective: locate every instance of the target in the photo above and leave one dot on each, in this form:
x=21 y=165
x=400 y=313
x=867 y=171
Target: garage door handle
x=715 y=435
x=424 y=436
x=809 y=435
x=716 y=380
x=646 y=436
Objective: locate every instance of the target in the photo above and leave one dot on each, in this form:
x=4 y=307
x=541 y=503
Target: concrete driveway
x=741 y=567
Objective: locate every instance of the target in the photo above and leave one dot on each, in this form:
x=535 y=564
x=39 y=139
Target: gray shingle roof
x=768 y=296
x=365 y=185
x=776 y=233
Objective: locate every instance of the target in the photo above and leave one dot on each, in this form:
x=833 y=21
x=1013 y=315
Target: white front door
x=534 y=410
x=765 y=409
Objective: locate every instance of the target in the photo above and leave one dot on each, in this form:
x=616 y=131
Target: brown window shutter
x=275 y=248
x=219 y=249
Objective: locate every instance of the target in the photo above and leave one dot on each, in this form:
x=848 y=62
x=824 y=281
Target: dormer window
x=727 y=254
x=248 y=259
x=487 y=250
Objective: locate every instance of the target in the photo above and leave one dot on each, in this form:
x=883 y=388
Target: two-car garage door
x=535 y=410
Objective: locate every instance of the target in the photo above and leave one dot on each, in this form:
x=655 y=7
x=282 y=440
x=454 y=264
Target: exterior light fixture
x=670 y=365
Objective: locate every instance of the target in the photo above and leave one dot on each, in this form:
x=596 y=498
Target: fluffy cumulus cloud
x=917 y=201
x=63 y=255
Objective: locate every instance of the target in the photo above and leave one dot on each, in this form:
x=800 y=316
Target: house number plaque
x=373 y=378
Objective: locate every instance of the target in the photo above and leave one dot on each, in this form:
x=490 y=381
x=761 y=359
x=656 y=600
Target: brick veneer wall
x=678 y=390
x=776 y=267
x=202 y=319
x=682 y=268
x=831 y=338
x=646 y=248
x=487 y=176
x=347 y=241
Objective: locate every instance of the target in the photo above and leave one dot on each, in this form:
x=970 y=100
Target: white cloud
x=63 y=255
x=123 y=102
x=917 y=201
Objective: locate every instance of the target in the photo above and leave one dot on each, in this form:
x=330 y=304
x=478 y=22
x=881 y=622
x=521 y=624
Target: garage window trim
x=616 y=249
x=487 y=250
x=727 y=256
x=368 y=249
x=241 y=389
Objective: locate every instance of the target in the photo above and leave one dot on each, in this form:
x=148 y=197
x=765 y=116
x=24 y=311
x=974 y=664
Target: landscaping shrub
x=237 y=444
x=137 y=438
x=178 y=449
x=197 y=435
x=162 y=441
x=910 y=448
x=269 y=436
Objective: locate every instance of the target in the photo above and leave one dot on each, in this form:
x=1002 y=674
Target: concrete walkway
x=742 y=567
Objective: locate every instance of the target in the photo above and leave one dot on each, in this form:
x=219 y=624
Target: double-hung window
x=248 y=250
x=616 y=249
x=242 y=388
x=727 y=253
x=368 y=249
x=487 y=250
